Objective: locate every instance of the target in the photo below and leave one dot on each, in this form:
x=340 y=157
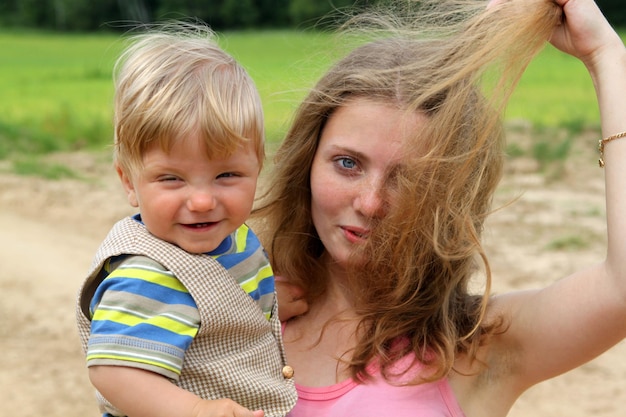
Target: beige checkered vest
x=237 y=352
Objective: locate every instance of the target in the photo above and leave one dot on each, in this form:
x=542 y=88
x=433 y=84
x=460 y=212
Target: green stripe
x=155 y=277
x=121 y=358
x=166 y=323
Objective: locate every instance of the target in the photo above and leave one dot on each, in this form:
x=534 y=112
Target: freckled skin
x=359 y=142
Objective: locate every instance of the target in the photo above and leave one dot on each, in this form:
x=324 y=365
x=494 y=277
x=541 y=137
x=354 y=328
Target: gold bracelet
x=603 y=142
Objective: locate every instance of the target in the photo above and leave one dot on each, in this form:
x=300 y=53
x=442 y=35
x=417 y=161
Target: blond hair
x=174 y=81
x=457 y=62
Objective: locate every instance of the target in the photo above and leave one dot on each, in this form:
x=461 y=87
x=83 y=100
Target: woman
x=377 y=205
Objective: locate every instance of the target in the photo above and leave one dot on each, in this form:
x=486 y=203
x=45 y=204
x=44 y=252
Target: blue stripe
x=232 y=259
x=223 y=247
x=144 y=288
x=266 y=286
x=141 y=331
x=138 y=343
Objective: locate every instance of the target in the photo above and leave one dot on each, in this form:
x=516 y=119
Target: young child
x=178 y=314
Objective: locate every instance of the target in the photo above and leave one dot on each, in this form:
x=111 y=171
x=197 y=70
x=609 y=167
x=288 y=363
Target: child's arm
x=140 y=393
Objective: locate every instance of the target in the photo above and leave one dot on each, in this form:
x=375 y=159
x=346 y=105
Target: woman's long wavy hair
x=457 y=62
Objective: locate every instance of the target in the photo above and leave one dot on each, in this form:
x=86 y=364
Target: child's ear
x=129 y=188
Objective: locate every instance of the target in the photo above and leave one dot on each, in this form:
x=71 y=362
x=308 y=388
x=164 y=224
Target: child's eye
x=167 y=178
x=227 y=175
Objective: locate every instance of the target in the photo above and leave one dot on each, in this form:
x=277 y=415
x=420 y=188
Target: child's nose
x=201 y=200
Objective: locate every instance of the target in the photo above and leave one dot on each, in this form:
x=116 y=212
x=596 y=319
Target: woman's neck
x=317 y=342
x=338 y=295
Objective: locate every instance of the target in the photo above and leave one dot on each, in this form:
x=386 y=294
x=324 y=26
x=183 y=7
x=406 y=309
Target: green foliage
x=89 y=15
x=284 y=65
x=17 y=139
x=568 y=243
x=239 y=13
x=35 y=167
x=57 y=91
x=555 y=90
x=614 y=10
x=514 y=150
x=317 y=13
x=549 y=150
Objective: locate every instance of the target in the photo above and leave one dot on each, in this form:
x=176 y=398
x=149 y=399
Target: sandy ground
x=49 y=231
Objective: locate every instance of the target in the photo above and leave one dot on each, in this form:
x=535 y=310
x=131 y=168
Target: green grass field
x=555 y=91
x=57 y=91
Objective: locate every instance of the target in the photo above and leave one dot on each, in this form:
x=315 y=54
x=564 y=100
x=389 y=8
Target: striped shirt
x=142 y=316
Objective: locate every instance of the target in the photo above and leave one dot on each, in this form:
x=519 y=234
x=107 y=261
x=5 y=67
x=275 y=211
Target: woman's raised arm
x=584 y=314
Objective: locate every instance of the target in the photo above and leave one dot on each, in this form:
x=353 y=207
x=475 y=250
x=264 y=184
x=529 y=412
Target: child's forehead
x=198 y=143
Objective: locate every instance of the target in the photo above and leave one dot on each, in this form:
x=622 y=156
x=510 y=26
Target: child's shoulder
x=134 y=261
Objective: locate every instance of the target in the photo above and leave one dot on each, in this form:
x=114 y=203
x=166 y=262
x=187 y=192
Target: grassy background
x=57 y=92
x=555 y=91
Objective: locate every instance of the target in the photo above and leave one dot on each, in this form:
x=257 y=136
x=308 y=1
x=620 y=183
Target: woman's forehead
x=364 y=125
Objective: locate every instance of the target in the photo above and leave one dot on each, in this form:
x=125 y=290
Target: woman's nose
x=370 y=201
x=201 y=200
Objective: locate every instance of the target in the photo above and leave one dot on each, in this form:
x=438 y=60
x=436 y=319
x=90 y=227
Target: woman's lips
x=355 y=234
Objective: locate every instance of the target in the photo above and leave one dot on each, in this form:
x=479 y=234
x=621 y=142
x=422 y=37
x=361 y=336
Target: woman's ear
x=128 y=185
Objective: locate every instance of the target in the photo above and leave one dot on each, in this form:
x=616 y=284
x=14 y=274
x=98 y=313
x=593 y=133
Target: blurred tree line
x=90 y=15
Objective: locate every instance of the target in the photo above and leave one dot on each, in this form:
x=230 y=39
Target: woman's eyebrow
x=350 y=151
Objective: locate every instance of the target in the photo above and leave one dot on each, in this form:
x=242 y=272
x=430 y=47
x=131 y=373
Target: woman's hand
x=291 y=300
x=585 y=33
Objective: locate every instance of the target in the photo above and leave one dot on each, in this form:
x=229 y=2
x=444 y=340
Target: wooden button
x=287 y=371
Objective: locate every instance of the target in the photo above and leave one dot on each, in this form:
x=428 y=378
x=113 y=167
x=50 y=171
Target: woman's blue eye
x=347 y=163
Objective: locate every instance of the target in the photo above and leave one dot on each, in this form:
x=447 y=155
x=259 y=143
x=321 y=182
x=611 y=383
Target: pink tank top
x=378 y=398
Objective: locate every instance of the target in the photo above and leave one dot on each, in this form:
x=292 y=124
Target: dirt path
x=41 y=364
x=49 y=231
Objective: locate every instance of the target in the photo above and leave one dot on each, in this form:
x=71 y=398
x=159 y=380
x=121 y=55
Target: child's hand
x=223 y=408
x=291 y=300
x=144 y=393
